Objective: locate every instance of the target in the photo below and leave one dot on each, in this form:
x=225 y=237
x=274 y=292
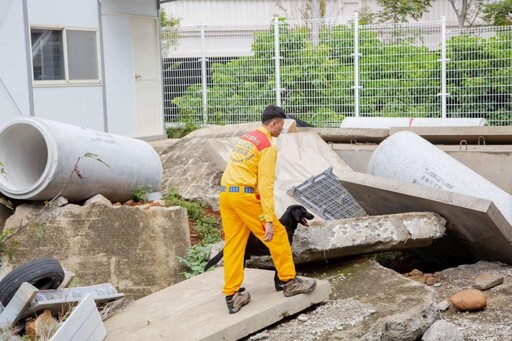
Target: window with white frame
x=64 y=55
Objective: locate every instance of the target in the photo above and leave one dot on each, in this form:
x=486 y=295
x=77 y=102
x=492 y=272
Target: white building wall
x=227 y=12
x=13 y=57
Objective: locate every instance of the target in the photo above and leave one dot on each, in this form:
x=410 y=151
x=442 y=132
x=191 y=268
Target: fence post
x=204 y=89
x=277 y=62
x=443 y=61
x=356 y=64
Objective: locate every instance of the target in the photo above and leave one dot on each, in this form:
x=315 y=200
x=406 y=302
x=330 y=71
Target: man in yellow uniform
x=247 y=205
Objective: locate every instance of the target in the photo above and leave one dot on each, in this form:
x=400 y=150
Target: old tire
x=43 y=273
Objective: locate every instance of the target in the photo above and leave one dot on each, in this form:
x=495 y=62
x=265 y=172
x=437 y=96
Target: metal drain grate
x=325 y=195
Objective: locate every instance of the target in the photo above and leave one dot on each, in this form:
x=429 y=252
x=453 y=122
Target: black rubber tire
x=43 y=273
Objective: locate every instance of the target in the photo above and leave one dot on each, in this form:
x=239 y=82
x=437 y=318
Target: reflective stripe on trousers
x=239 y=213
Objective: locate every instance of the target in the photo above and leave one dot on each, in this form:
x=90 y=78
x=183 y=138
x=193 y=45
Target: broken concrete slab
x=473 y=221
x=195 y=309
x=324 y=240
x=132 y=248
x=346 y=237
x=369 y=302
x=348 y=135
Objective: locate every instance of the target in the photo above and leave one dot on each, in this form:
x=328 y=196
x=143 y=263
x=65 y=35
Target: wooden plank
x=18 y=304
x=68 y=278
x=76 y=327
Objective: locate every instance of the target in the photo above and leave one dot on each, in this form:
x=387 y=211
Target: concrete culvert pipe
x=407 y=157
x=39 y=157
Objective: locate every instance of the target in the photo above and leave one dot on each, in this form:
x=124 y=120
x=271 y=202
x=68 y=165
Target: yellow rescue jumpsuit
x=247 y=203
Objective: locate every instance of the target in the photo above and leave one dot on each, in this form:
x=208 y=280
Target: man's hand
x=269 y=231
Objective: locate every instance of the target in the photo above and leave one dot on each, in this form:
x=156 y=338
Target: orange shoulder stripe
x=258 y=139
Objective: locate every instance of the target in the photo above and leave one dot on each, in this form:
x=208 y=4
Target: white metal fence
x=323 y=71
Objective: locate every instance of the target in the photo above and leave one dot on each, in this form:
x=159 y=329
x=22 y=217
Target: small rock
x=303 y=318
x=260 y=336
x=487 y=281
x=61 y=201
x=415 y=272
x=427 y=274
x=98 y=199
x=437 y=284
x=443 y=331
x=130 y=202
x=469 y=300
x=430 y=280
x=418 y=278
x=117 y=204
x=443 y=305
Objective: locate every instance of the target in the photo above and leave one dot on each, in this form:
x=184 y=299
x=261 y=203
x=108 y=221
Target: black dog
x=291 y=218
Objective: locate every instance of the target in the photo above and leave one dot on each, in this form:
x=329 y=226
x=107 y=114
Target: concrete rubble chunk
x=487 y=281
x=346 y=237
x=175 y=314
x=142 y=259
x=443 y=331
x=61 y=201
x=443 y=305
x=98 y=199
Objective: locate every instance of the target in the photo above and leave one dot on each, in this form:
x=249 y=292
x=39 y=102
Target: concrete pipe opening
x=40 y=155
x=24 y=153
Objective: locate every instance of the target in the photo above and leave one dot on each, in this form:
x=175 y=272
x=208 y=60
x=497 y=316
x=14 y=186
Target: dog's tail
x=214 y=260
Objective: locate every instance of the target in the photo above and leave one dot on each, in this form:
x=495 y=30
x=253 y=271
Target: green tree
x=399 y=10
x=498 y=13
x=168 y=21
x=467 y=11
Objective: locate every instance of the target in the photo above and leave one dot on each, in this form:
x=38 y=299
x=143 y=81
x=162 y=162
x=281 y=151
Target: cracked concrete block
x=133 y=249
x=362 y=235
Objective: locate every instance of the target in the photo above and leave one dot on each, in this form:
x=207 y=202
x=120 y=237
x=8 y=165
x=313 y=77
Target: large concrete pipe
x=388 y=122
x=407 y=157
x=39 y=157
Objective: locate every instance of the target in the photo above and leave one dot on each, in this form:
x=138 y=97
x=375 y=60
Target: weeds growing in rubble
x=142 y=194
x=206 y=225
x=196 y=259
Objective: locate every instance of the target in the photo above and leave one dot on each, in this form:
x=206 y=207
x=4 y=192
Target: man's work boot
x=298 y=286
x=236 y=301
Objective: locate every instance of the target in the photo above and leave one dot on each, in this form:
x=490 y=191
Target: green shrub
x=196 y=259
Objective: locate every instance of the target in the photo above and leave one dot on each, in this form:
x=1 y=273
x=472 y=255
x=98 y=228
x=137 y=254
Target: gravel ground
x=325 y=321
